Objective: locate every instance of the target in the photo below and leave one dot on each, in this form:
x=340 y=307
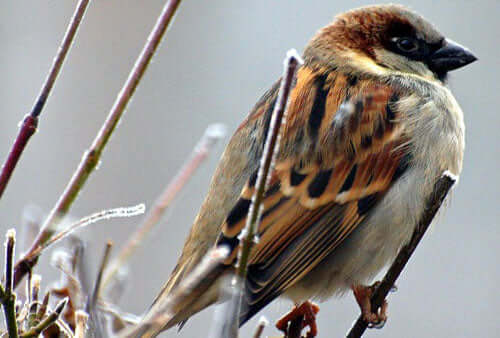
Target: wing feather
x=325 y=182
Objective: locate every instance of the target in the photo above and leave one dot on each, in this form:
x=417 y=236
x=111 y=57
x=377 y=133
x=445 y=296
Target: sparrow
x=371 y=126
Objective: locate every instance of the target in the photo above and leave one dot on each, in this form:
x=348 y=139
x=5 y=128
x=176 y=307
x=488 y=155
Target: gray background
x=217 y=59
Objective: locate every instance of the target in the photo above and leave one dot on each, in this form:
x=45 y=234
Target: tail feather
x=202 y=293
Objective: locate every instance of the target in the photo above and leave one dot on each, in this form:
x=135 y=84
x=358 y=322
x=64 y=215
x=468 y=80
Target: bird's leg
x=307 y=311
x=375 y=318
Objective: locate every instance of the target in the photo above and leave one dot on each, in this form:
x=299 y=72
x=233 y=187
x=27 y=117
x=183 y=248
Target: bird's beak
x=451 y=56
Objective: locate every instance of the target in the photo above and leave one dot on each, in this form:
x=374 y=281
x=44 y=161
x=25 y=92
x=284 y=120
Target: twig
x=48 y=321
x=271 y=145
x=263 y=322
x=30 y=122
x=115 y=312
x=33 y=292
x=92 y=303
x=43 y=307
x=150 y=326
x=443 y=185
x=91 y=157
x=97 y=285
x=200 y=152
x=269 y=153
x=98 y=216
x=8 y=297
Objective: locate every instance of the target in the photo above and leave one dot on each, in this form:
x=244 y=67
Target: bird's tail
x=195 y=294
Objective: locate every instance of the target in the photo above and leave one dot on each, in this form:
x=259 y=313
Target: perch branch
x=229 y=326
x=91 y=157
x=199 y=154
x=30 y=122
x=269 y=153
x=437 y=197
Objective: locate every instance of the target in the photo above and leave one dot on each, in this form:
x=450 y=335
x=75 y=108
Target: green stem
x=9 y=310
x=48 y=321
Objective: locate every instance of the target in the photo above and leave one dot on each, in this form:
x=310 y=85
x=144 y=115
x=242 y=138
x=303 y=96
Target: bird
x=371 y=125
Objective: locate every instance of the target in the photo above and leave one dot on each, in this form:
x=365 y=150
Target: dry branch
x=92 y=156
x=229 y=326
x=263 y=322
x=91 y=308
x=200 y=152
x=30 y=122
x=150 y=326
x=437 y=197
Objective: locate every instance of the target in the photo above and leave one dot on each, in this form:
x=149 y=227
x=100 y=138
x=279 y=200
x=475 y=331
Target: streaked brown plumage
x=358 y=111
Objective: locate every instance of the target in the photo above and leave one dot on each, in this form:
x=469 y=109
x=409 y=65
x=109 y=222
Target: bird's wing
x=314 y=200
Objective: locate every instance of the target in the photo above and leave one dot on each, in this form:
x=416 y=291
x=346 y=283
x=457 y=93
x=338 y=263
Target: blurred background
x=216 y=60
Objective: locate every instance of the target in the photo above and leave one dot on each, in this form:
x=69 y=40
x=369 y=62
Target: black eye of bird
x=406 y=44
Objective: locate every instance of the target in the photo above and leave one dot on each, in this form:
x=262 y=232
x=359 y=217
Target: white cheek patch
x=403 y=64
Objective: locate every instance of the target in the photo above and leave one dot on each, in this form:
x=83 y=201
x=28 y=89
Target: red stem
x=27 y=130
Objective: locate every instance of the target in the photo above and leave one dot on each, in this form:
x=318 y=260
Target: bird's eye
x=406 y=44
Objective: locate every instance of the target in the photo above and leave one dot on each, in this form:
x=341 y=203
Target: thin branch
x=271 y=146
x=97 y=286
x=193 y=282
x=443 y=185
x=48 y=321
x=199 y=154
x=91 y=307
x=30 y=122
x=33 y=292
x=96 y=217
x=263 y=322
x=92 y=156
x=229 y=327
x=43 y=307
x=8 y=297
x=9 y=259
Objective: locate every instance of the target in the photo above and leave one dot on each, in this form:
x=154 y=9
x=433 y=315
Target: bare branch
x=443 y=185
x=269 y=153
x=91 y=308
x=33 y=292
x=92 y=156
x=229 y=327
x=199 y=154
x=30 y=122
x=98 y=216
x=263 y=322
x=150 y=326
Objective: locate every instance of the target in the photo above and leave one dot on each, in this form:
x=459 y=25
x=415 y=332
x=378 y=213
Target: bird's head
x=385 y=38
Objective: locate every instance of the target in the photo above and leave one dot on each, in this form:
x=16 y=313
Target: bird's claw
x=375 y=319
x=307 y=311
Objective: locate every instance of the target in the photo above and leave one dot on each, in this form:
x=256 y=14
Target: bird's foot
x=375 y=318
x=307 y=311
